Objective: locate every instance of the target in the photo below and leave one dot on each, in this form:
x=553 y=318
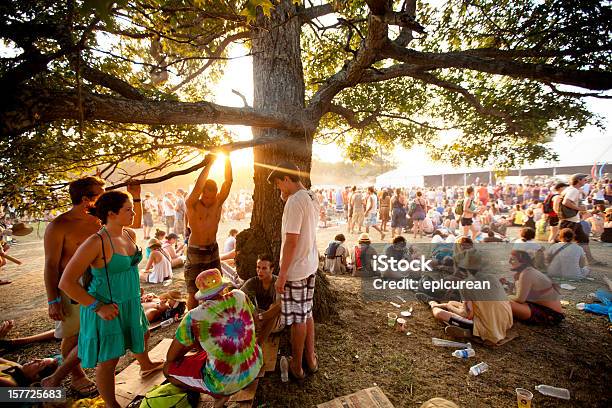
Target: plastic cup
x=523 y=398
x=401 y=324
x=391 y=318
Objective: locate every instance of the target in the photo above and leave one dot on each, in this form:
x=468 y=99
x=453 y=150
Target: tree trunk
x=278 y=87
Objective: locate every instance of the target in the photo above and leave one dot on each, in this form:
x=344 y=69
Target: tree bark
x=278 y=87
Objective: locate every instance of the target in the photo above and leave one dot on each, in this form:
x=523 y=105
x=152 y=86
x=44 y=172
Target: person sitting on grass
x=537 y=298
x=162 y=307
x=481 y=313
x=262 y=293
x=169 y=246
x=335 y=256
x=223 y=329
x=567 y=259
x=159 y=266
x=363 y=254
x=527 y=244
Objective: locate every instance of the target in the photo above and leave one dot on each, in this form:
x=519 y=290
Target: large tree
x=91 y=84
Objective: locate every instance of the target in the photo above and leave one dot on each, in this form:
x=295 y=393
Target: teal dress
x=102 y=340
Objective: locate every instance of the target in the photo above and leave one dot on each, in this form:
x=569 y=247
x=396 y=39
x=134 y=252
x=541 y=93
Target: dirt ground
x=358 y=350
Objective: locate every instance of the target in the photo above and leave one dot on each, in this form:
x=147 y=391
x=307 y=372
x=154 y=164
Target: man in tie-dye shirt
x=222 y=325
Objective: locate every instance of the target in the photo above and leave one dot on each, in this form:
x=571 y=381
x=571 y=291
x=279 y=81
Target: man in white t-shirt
x=299 y=261
x=571 y=198
x=169 y=212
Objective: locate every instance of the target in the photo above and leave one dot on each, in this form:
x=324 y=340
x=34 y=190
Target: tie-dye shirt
x=226 y=331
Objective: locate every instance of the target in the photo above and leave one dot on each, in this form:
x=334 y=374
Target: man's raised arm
x=195 y=194
x=227 y=184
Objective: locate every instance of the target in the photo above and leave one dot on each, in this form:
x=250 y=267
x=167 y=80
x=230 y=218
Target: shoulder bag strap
x=106 y=267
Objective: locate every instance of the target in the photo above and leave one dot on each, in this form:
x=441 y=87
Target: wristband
x=94 y=305
x=136 y=200
x=56 y=300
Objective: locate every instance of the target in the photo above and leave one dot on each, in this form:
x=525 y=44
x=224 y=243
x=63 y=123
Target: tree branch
x=110 y=82
x=32 y=107
x=351 y=117
x=592 y=79
x=225 y=148
x=315 y=12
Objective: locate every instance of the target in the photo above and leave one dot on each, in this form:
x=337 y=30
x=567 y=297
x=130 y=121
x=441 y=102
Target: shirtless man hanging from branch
x=204 y=206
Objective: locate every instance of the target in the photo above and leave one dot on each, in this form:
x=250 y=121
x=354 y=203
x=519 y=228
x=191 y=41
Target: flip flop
x=146 y=373
x=297 y=378
x=85 y=390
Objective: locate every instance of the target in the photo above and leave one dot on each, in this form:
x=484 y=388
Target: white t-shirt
x=229 y=245
x=566 y=264
x=168 y=208
x=573 y=194
x=300 y=217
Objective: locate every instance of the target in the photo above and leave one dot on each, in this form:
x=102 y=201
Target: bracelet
x=94 y=305
x=56 y=300
x=136 y=200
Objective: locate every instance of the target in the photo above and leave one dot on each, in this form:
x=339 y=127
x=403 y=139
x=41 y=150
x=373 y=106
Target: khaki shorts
x=358 y=218
x=71 y=324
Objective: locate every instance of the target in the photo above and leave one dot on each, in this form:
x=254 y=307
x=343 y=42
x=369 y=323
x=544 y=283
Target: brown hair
x=84 y=187
x=111 y=201
x=566 y=235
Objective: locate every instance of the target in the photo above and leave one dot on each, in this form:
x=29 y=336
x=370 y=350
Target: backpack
x=412 y=208
x=358 y=262
x=330 y=252
x=459 y=207
x=547 y=206
x=166 y=396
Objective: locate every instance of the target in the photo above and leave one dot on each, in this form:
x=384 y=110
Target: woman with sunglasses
x=537 y=299
x=112 y=317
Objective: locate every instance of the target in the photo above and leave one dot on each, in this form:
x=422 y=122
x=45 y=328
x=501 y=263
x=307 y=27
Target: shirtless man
x=204 y=206
x=63 y=236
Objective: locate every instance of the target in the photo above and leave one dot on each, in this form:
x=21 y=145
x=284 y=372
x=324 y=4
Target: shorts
x=553 y=220
x=188 y=370
x=357 y=218
x=543 y=315
x=371 y=220
x=169 y=221
x=581 y=236
x=147 y=219
x=466 y=222
x=71 y=324
x=297 y=301
x=198 y=260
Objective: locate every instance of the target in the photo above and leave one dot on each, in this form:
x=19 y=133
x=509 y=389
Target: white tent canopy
x=399 y=178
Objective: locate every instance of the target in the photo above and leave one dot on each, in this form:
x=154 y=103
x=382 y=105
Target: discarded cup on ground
x=401 y=324
x=580 y=306
x=406 y=313
x=391 y=318
x=523 y=398
x=447 y=343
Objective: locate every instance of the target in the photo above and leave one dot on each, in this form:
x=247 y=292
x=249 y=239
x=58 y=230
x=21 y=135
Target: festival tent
x=399 y=178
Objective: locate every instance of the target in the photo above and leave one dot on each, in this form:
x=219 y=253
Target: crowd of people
x=92 y=275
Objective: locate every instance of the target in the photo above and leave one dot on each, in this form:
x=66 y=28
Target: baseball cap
x=577 y=177
x=283 y=169
x=560 y=185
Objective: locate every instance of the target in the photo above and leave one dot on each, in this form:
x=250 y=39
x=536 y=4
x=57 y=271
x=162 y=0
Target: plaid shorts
x=296 y=304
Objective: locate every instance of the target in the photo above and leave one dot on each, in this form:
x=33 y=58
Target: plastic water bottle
x=284 y=368
x=479 y=369
x=465 y=353
x=167 y=322
x=562 y=393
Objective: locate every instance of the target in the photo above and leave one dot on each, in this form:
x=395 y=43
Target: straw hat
x=154 y=242
x=365 y=237
x=175 y=295
x=210 y=283
x=20 y=229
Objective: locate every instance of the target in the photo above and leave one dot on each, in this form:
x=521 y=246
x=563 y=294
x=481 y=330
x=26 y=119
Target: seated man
x=397 y=251
x=363 y=256
x=222 y=326
x=267 y=301
x=335 y=256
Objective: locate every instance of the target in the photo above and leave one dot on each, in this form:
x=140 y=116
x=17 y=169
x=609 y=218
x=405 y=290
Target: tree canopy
x=92 y=84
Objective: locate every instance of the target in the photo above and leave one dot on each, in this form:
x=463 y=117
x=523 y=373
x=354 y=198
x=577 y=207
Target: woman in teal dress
x=112 y=317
